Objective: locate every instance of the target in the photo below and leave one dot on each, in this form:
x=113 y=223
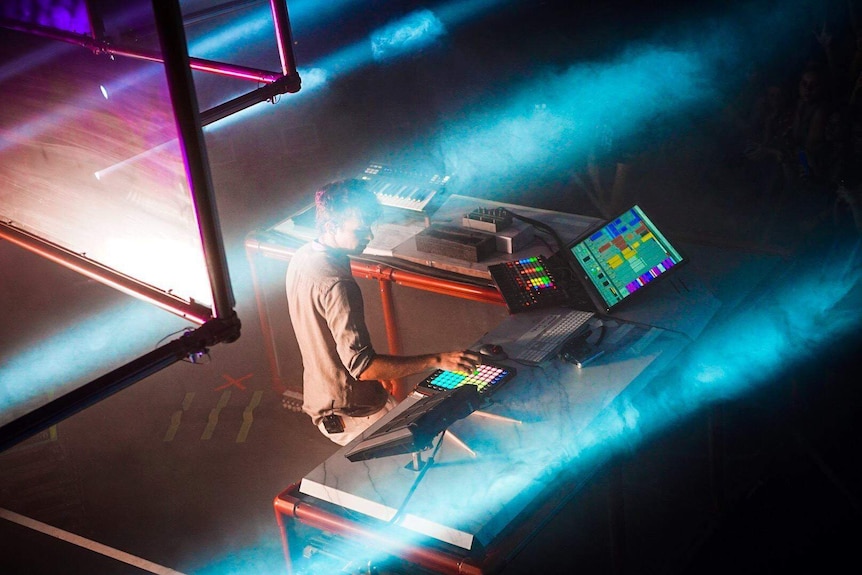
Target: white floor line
x=142 y=564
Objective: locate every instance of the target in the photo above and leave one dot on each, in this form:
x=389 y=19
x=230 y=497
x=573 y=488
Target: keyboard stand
x=416 y=462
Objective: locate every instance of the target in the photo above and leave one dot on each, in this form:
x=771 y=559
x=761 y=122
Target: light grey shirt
x=328 y=317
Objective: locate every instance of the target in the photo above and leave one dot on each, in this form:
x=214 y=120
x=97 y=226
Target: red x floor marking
x=231 y=382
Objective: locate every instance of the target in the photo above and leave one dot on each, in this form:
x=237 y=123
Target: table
x=498 y=471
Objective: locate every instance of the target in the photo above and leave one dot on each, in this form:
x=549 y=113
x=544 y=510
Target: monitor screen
x=624 y=255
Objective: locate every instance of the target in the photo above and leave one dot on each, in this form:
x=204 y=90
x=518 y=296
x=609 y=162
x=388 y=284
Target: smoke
x=408 y=35
x=625 y=99
x=795 y=324
x=59 y=364
x=561 y=117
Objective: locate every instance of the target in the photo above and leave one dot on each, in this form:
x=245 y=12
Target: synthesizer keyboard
x=403 y=189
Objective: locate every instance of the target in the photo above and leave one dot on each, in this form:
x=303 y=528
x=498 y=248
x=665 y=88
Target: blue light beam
x=410 y=34
x=58 y=364
x=554 y=120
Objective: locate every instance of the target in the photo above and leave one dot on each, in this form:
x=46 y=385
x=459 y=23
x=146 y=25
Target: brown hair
x=337 y=201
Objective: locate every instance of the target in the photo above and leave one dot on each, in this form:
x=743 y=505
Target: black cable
x=173 y=333
x=191 y=358
x=547 y=245
x=564 y=272
x=602 y=331
x=416 y=481
x=542 y=226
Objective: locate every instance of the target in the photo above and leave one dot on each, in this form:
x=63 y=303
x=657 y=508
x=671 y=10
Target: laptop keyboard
x=547 y=336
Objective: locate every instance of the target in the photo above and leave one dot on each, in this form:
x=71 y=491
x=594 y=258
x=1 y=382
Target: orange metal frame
x=385 y=275
x=287 y=506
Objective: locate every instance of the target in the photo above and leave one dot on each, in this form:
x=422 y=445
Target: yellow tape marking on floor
x=213 y=418
x=248 y=416
x=177 y=417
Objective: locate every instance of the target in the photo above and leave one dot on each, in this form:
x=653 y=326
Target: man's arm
x=386 y=367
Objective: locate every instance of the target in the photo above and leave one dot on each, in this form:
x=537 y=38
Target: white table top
x=490 y=469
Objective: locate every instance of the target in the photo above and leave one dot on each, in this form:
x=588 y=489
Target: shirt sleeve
x=345 y=315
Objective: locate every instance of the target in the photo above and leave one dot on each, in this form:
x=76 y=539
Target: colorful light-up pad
x=527 y=283
x=487 y=378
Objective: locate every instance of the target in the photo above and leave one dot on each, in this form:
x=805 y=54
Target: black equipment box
x=456 y=242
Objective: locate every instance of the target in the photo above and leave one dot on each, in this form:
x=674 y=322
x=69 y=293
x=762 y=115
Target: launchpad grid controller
x=487 y=378
x=528 y=284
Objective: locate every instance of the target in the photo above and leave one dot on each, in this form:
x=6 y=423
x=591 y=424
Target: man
x=342 y=389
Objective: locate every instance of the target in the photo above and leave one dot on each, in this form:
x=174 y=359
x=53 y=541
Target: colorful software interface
x=486 y=378
x=624 y=255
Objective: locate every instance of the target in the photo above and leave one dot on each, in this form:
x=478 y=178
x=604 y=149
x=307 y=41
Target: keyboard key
x=549 y=335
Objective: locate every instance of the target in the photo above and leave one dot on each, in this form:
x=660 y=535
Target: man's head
x=345 y=212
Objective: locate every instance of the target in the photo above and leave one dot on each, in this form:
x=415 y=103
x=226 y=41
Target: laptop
x=611 y=264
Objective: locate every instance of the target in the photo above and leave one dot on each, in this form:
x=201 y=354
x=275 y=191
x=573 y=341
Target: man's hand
x=465 y=361
x=388 y=367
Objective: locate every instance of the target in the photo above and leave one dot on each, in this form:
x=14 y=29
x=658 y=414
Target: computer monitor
x=622 y=256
